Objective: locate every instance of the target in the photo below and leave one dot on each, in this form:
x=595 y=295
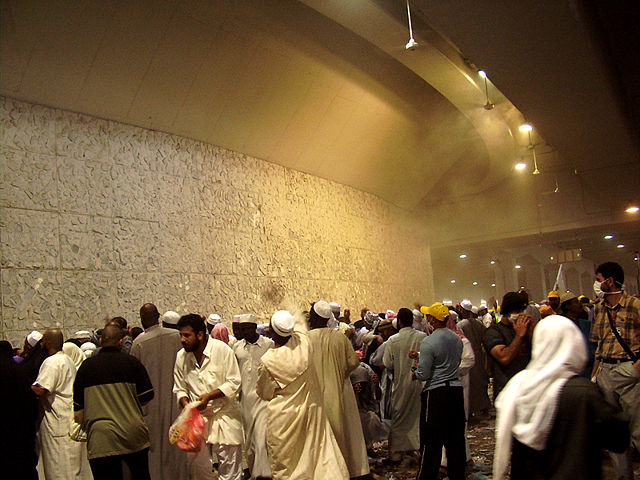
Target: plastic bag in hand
x=187 y=431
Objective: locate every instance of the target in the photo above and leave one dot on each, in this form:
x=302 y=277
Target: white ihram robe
x=253 y=408
x=299 y=437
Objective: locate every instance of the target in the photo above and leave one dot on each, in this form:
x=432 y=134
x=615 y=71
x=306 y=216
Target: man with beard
x=206 y=371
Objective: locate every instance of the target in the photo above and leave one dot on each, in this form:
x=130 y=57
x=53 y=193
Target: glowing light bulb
x=526 y=127
x=518 y=266
x=453 y=281
x=482 y=73
x=520 y=166
x=608 y=237
x=463 y=255
x=633 y=209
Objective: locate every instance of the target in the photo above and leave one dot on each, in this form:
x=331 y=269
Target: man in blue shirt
x=442 y=421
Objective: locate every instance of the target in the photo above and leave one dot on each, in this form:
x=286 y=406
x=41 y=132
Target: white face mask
x=597 y=289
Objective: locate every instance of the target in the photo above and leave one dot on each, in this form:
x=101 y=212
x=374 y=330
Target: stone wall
x=97 y=217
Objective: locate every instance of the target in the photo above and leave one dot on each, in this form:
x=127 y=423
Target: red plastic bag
x=187 y=432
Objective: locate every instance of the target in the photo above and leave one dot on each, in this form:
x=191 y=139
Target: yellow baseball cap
x=438 y=310
x=553 y=294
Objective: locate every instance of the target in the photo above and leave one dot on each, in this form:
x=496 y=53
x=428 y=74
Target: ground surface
x=481 y=438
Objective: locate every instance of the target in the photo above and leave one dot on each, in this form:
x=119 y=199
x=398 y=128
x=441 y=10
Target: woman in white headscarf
x=556 y=421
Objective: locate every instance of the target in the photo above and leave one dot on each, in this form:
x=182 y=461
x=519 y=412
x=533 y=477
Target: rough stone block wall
x=97 y=217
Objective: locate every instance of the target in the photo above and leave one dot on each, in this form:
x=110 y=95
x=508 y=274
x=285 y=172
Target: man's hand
x=204 y=399
x=413 y=354
x=522 y=324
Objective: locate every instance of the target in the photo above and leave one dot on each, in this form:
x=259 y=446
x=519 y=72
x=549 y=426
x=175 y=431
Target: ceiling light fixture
x=608 y=237
x=463 y=255
x=475 y=283
x=518 y=266
x=620 y=245
x=520 y=166
x=493 y=284
x=453 y=281
x=489 y=105
x=633 y=209
x=492 y=262
x=411 y=44
x=527 y=127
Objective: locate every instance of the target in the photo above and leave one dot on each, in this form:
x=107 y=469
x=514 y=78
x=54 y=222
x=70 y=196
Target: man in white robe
x=157 y=350
x=248 y=352
x=206 y=370
x=334 y=359
x=405 y=393
x=54 y=386
x=299 y=437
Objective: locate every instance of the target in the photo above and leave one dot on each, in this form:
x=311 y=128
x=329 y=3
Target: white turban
x=213 y=319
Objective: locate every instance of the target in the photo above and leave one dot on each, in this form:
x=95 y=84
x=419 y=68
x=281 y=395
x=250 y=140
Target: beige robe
x=334 y=359
x=299 y=438
x=157 y=350
x=405 y=392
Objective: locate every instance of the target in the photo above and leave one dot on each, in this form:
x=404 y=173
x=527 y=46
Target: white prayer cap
x=170 y=317
x=236 y=319
x=483 y=304
x=390 y=312
x=335 y=307
x=213 y=319
x=33 y=338
x=82 y=334
x=247 y=318
x=474 y=309
x=88 y=348
x=466 y=304
x=417 y=313
x=322 y=308
x=283 y=322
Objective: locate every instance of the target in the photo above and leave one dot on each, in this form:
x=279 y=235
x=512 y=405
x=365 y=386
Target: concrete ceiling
x=326 y=87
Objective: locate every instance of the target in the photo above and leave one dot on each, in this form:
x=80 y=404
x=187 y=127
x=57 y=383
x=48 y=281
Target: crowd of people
x=307 y=395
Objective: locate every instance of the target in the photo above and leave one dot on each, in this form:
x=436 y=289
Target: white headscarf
x=526 y=407
x=74 y=353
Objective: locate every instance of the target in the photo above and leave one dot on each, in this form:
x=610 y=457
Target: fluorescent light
x=526 y=127
x=482 y=73
x=633 y=209
x=520 y=166
x=453 y=281
x=463 y=255
x=518 y=266
x=620 y=245
x=608 y=237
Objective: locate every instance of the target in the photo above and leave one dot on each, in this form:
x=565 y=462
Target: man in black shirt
x=509 y=342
